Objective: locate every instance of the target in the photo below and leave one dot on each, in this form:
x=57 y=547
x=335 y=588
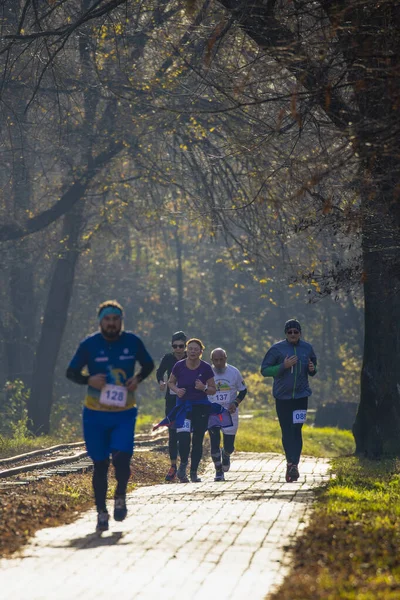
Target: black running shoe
x=194 y=478
x=292 y=473
x=120 y=510
x=181 y=473
x=102 y=521
x=219 y=475
x=171 y=475
x=226 y=461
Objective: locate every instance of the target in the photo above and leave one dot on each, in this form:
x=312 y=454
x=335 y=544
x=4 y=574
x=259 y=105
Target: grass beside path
x=261 y=434
x=23 y=441
x=351 y=548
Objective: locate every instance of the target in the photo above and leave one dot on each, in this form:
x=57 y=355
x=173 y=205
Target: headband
x=110 y=310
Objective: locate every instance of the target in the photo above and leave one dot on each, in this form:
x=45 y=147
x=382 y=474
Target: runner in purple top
x=192 y=380
x=186 y=378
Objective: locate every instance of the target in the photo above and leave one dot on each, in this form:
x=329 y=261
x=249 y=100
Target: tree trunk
x=19 y=342
x=54 y=321
x=179 y=281
x=377 y=425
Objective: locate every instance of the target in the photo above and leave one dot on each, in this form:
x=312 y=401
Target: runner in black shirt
x=167 y=362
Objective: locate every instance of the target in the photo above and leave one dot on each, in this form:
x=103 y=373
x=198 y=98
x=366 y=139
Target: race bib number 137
x=113 y=395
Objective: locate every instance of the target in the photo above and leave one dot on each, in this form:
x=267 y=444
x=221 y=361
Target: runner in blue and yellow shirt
x=109 y=413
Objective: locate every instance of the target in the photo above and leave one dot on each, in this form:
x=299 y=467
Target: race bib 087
x=113 y=395
x=299 y=416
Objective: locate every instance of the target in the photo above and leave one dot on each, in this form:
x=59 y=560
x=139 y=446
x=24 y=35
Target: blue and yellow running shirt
x=116 y=359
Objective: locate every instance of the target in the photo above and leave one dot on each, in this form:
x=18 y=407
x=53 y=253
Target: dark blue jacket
x=293 y=382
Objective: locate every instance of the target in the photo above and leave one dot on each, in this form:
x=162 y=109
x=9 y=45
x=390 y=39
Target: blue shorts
x=105 y=432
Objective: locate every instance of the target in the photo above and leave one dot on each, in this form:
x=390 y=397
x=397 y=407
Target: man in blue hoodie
x=290 y=362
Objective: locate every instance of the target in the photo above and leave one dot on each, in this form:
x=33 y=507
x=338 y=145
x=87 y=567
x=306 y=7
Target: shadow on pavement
x=95 y=540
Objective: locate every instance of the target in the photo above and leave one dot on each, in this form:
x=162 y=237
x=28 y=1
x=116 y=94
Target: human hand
x=162 y=385
x=97 y=381
x=199 y=385
x=180 y=392
x=290 y=361
x=311 y=366
x=232 y=408
x=132 y=383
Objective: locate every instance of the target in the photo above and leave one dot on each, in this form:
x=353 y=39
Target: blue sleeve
x=314 y=360
x=142 y=355
x=271 y=359
x=80 y=358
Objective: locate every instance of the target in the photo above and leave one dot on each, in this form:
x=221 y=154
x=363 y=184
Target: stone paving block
x=223 y=540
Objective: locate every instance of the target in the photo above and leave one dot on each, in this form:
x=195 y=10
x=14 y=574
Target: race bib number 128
x=113 y=395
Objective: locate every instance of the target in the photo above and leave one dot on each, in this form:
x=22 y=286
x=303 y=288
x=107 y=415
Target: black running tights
x=199 y=418
x=121 y=462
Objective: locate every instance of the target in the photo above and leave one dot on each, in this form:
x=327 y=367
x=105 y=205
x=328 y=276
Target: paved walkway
x=224 y=540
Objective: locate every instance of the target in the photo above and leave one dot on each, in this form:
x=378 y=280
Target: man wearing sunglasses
x=290 y=362
x=178 y=344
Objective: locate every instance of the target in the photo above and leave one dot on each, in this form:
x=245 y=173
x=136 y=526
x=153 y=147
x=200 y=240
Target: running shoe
x=226 y=461
x=102 y=521
x=120 y=510
x=292 y=473
x=181 y=473
x=171 y=475
x=194 y=478
x=219 y=475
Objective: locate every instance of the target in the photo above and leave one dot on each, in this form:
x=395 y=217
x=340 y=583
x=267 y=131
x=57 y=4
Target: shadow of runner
x=94 y=540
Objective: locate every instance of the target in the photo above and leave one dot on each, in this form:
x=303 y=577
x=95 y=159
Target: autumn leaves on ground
x=59 y=499
x=349 y=551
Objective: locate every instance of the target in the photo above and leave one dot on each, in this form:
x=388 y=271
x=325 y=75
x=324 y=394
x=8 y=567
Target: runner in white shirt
x=231 y=390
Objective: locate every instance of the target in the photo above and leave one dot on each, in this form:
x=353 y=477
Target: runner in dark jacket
x=167 y=363
x=290 y=362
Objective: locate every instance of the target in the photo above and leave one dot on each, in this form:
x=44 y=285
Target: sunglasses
x=178 y=345
x=290 y=331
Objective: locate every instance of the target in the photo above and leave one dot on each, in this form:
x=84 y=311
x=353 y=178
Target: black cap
x=292 y=324
x=179 y=335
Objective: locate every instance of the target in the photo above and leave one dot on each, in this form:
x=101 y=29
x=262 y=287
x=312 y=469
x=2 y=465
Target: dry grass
x=350 y=549
x=61 y=499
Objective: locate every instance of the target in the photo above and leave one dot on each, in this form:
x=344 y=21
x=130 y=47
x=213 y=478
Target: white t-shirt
x=228 y=383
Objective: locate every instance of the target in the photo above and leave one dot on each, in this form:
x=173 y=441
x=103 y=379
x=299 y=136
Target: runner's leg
x=228 y=449
x=284 y=411
x=229 y=443
x=172 y=441
x=184 y=438
x=215 y=440
x=122 y=443
x=97 y=435
x=200 y=416
x=121 y=461
x=100 y=484
x=298 y=404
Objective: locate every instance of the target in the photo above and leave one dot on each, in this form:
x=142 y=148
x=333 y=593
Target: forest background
x=155 y=153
